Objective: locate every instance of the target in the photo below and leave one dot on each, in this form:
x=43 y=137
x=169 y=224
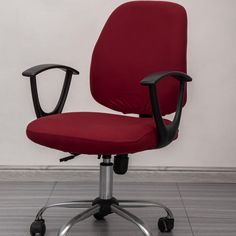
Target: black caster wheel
x=99 y=216
x=38 y=228
x=165 y=224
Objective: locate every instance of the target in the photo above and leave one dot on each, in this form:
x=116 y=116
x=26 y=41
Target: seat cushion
x=94 y=133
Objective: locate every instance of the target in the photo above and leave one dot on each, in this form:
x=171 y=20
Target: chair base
x=102 y=206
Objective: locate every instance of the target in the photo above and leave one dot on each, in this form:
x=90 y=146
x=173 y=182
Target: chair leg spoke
x=134 y=219
x=71 y=204
x=82 y=216
x=140 y=203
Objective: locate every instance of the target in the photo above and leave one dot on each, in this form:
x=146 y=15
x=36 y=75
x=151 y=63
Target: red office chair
x=138 y=66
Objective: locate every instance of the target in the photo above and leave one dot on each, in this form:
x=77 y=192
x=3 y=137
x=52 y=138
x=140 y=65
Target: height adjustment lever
x=69 y=157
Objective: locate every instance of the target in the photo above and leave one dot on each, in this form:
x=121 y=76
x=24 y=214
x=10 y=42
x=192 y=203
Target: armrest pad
x=154 y=78
x=33 y=71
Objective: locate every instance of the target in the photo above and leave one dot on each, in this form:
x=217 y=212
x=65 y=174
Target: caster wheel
x=165 y=224
x=99 y=216
x=38 y=228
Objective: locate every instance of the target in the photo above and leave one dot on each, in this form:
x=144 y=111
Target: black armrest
x=154 y=78
x=166 y=133
x=33 y=71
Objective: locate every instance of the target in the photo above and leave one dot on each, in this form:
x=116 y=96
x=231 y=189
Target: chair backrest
x=139 y=38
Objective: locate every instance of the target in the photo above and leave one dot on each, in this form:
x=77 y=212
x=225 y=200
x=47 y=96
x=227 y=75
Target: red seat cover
x=139 y=38
x=94 y=133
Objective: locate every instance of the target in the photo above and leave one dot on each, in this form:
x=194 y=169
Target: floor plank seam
x=51 y=192
x=181 y=199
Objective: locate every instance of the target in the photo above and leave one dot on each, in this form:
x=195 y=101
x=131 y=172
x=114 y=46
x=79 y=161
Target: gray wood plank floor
x=199 y=209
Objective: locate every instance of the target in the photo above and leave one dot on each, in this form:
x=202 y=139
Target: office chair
x=138 y=66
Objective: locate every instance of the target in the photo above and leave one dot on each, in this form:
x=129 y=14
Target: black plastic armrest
x=35 y=70
x=166 y=133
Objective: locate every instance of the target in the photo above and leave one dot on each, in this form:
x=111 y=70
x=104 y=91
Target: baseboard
x=135 y=174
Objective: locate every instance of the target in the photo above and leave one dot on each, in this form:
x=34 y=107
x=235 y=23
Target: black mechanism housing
x=121 y=163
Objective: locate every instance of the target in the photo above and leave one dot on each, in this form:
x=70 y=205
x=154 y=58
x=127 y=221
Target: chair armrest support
x=33 y=71
x=166 y=133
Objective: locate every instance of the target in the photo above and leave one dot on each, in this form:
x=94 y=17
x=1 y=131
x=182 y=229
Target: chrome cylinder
x=106 y=179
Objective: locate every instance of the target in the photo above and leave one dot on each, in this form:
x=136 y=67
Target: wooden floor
x=199 y=209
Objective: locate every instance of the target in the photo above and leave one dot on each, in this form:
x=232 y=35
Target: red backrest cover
x=139 y=38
